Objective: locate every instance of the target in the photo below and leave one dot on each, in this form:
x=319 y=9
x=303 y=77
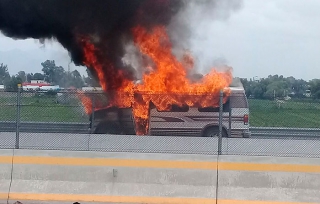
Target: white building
x=38 y=82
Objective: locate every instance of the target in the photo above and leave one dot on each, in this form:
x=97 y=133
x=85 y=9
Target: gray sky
x=263 y=37
x=27 y=55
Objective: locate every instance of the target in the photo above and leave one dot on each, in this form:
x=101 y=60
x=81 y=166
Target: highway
x=150 y=144
x=83 y=128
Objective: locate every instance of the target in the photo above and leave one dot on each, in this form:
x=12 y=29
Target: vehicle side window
x=176 y=108
x=226 y=108
x=238 y=101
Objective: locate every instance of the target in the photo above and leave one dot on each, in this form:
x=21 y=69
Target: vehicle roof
x=239 y=88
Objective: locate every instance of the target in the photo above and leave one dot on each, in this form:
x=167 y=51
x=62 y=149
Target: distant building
x=38 y=85
x=38 y=82
x=92 y=89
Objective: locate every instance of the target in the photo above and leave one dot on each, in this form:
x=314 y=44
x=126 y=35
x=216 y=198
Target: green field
x=263 y=113
x=42 y=109
x=266 y=113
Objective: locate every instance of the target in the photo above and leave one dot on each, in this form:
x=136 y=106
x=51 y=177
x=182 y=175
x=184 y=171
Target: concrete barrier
x=5 y=173
x=62 y=176
x=268 y=180
x=113 y=177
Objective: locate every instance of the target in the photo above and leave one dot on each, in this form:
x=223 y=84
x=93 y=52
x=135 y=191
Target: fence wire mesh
x=8 y=106
x=87 y=121
x=53 y=107
x=8 y=115
x=297 y=116
x=283 y=147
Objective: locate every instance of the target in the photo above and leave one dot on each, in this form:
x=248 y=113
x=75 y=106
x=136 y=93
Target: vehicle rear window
x=238 y=101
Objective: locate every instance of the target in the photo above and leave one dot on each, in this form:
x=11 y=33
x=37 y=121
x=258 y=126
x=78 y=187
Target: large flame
x=165 y=84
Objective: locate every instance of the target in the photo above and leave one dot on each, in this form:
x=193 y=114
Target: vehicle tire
x=107 y=128
x=213 y=132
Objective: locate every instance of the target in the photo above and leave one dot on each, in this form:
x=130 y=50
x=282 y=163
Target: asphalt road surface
x=302 y=147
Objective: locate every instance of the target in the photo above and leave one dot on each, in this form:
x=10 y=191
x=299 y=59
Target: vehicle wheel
x=107 y=128
x=213 y=132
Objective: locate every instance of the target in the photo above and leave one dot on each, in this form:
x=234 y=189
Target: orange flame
x=86 y=102
x=164 y=85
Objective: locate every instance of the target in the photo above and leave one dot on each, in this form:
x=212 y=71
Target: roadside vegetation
x=278 y=101
x=276 y=113
x=304 y=113
x=42 y=108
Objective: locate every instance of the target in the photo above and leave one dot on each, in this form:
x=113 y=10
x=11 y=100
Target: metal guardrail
x=83 y=128
x=45 y=127
x=284 y=132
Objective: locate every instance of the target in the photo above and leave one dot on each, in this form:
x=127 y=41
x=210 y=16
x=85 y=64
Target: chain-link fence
x=303 y=113
x=228 y=124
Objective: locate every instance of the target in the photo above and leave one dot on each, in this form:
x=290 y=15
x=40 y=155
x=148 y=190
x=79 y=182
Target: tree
x=52 y=73
x=77 y=79
x=91 y=80
x=37 y=76
x=315 y=88
x=277 y=88
x=29 y=77
x=257 y=91
x=4 y=74
x=22 y=76
x=274 y=85
x=247 y=85
x=12 y=84
x=73 y=79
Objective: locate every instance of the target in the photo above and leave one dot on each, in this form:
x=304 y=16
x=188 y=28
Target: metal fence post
x=18 y=116
x=220 y=122
x=230 y=116
x=92 y=114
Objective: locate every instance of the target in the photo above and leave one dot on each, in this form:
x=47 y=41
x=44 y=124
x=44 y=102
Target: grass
x=263 y=113
x=42 y=109
x=300 y=114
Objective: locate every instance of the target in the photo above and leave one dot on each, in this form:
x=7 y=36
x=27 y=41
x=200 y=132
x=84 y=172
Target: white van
x=181 y=121
x=185 y=121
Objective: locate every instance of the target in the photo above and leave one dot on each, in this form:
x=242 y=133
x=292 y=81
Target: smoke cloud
x=107 y=23
x=193 y=29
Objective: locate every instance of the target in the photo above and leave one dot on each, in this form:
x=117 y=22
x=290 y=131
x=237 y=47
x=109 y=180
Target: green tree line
x=51 y=73
x=275 y=86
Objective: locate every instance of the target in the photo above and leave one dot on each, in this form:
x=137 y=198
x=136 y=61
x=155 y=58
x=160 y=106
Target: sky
x=261 y=38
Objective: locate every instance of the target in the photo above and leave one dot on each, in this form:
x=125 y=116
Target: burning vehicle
x=166 y=88
x=173 y=121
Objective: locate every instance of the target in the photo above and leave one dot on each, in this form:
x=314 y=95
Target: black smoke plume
x=107 y=22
